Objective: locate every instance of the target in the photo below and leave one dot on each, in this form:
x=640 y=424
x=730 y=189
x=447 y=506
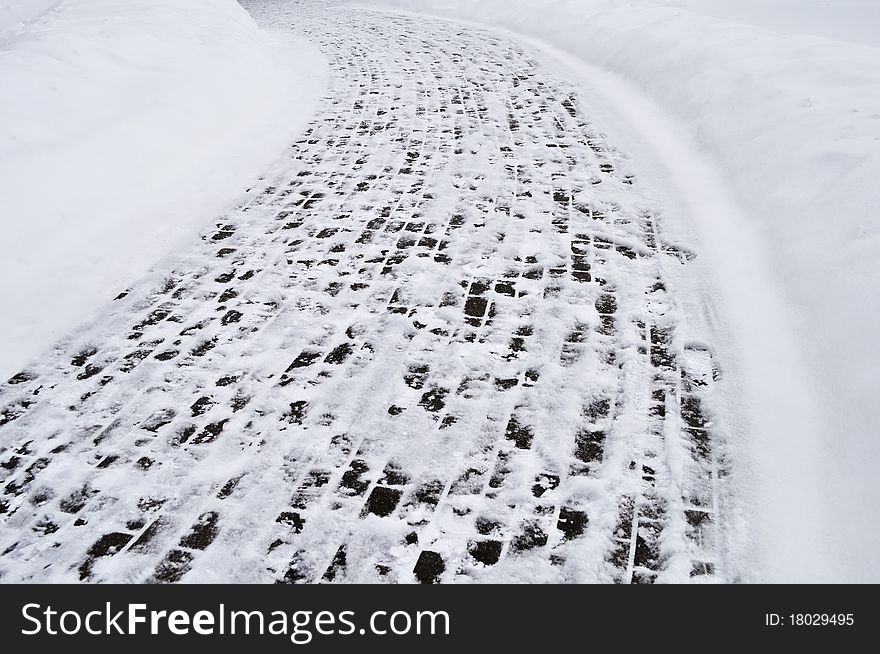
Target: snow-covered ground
x=845 y=20
x=124 y=128
x=753 y=132
x=14 y=14
x=790 y=119
x=445 y=339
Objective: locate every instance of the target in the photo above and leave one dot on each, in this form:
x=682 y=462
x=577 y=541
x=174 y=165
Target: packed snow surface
x=124 y=128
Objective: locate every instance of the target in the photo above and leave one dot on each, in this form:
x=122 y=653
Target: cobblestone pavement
x=435 y=343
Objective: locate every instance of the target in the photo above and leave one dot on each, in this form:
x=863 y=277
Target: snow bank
x=792 y=123
x=15 y=14
x=125 y=127
x=845 y=20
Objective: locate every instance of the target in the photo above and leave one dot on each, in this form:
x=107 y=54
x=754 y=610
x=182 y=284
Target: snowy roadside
x=124 y=129
x=15 y=13
x=792 y=124
x=854 y=21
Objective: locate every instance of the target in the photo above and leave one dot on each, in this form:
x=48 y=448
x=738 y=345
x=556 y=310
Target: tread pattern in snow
x=436 y=344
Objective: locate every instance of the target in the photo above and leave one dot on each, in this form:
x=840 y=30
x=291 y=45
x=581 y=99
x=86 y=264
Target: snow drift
x=125 y=127
x=845 y=20
x=792 y=123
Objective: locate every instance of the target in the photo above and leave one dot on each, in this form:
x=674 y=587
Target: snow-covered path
x=436 y=342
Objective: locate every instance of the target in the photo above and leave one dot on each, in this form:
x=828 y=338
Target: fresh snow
x=14 y=14
x=124 y=128
x=845 y=20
